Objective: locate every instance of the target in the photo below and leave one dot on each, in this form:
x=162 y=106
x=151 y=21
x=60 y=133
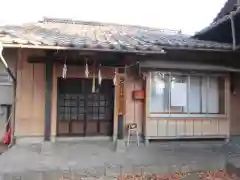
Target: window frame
x=188 y=114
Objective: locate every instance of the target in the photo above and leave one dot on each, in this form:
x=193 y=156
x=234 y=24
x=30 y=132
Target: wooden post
x=121 y=108
x=120 y=127
x=48 y=100
x=13 y=115
x=146 y=107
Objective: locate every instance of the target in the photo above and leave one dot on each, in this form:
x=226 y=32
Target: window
x=175 y=93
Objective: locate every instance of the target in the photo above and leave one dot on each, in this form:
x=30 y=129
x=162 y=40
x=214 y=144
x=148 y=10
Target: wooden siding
x=134 y=108
x=30 y=96
x=161 y=128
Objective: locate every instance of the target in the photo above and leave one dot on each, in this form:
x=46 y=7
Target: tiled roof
x=228 y=7
x=217 y=23
x=100 y=36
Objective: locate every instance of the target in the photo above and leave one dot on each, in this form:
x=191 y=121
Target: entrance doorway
x=82 y=112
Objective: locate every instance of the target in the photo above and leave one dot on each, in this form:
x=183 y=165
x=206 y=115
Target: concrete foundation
x=120 y=145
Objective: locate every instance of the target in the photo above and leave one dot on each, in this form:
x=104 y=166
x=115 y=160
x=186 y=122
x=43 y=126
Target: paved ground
x=3 y=148
x=99 y=158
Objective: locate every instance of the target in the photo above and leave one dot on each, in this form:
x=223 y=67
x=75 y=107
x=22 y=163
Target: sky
x=189 y=16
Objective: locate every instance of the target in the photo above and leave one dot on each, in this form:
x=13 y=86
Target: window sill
x=188 y=115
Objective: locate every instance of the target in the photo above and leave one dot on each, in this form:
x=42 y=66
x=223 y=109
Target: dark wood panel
x=91 y=127
x=63 y=127
x=77 y=127
x=106 y=128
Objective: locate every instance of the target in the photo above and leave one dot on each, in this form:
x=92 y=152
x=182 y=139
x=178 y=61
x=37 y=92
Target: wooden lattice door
x=82 y=112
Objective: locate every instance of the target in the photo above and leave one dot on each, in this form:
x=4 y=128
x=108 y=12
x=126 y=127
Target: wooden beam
x=48 y=100
x=109 y=62
x=70 y=58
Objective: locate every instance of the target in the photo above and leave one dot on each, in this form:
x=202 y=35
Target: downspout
x=10 y=73
x=233 y=32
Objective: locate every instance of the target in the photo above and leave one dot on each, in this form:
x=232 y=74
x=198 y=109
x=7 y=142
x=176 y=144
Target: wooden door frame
x=56 y=74
x=85 y=121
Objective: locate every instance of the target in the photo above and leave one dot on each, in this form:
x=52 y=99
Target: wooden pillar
x=121 y=107
x=48 y=100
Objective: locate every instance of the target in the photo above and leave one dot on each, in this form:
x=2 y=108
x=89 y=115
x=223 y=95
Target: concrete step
x=3 y=148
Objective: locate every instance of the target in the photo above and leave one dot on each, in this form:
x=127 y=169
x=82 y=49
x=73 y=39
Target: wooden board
x=188 y=127
x=30 y=96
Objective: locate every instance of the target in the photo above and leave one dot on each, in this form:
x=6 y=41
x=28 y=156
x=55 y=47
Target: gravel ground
x=98 y=160
x=214 y=175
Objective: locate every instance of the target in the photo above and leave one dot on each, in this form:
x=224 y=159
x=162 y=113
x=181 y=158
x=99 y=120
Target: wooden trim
x=187 y=137
x=13 y=121
x=78 y=71
x=227 y=96
x=48 y=100
x=185 y=118
x=54 y=103
x=115 y=116
x=147 y=99
x=166 y=113
x=228 y=102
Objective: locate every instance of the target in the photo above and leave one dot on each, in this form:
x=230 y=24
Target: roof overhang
x=164 y=49
x=151 y=65
x=229 y=6
x=222 y=30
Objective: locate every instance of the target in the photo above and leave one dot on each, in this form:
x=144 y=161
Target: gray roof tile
x=69 y=33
